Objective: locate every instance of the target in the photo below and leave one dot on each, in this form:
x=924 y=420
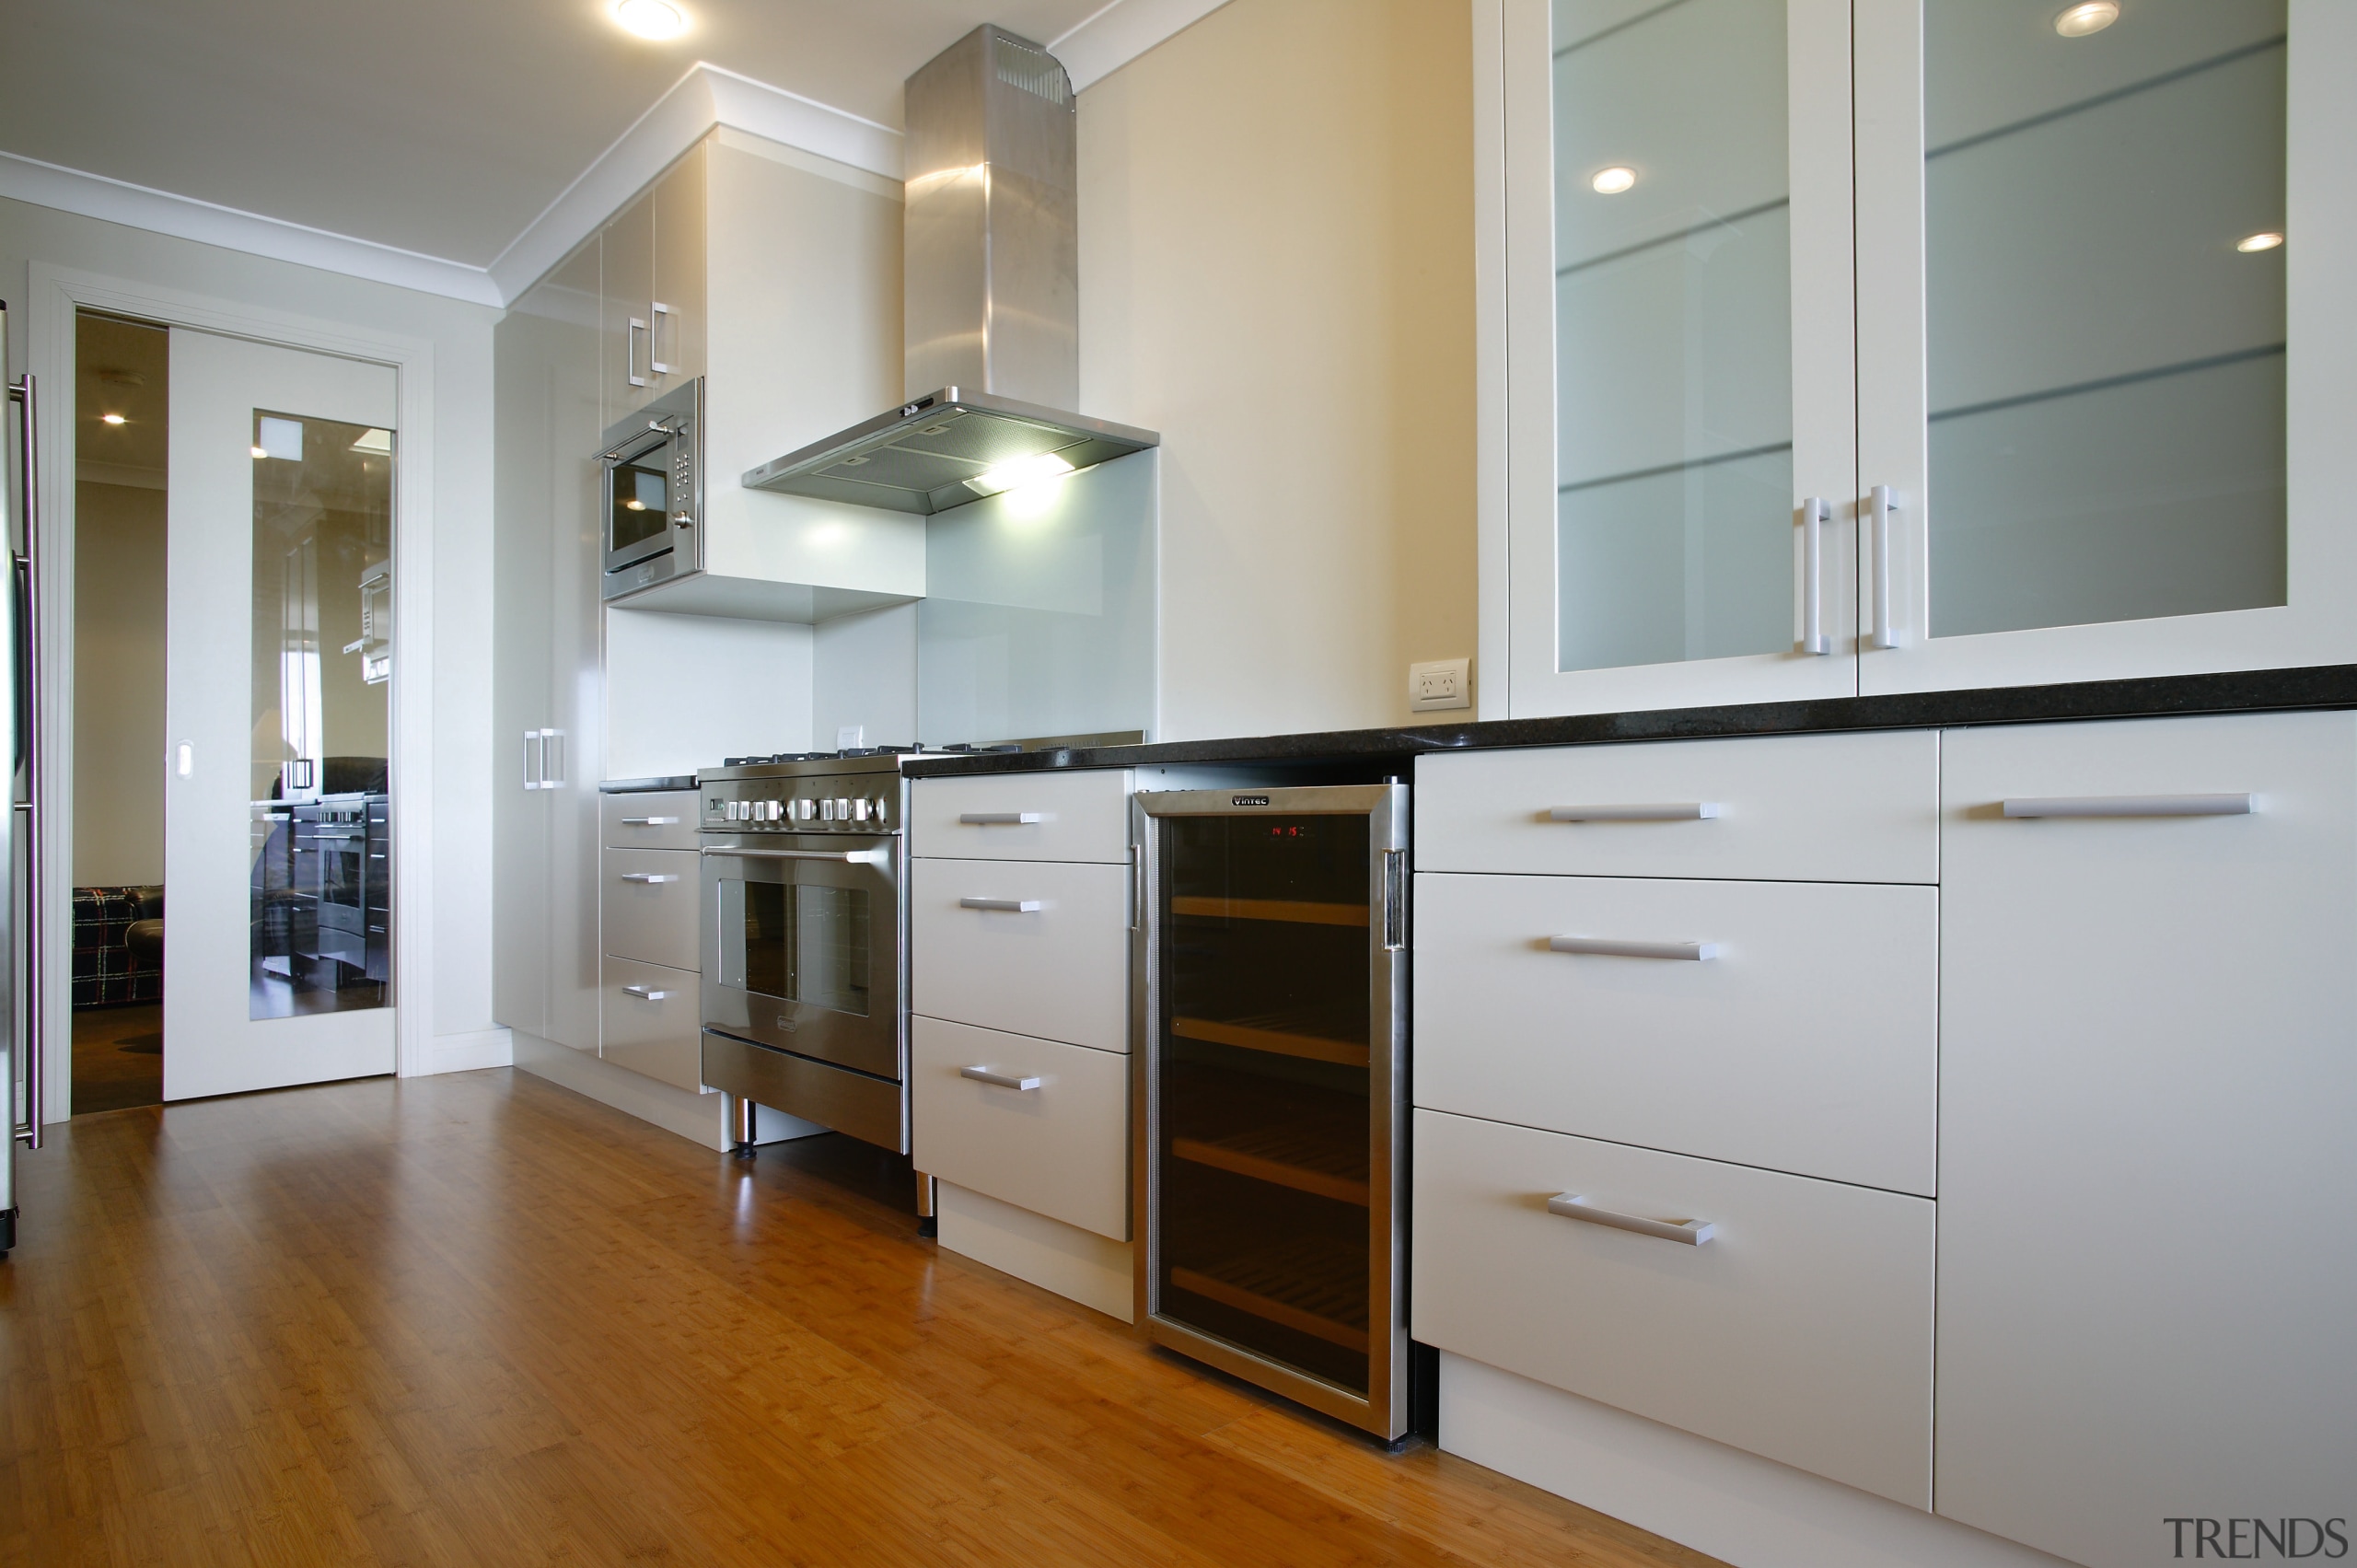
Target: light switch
x=1440 y=683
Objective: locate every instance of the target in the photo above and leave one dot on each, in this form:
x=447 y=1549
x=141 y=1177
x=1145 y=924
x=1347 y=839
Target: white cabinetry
x=546 y=675
x=1019 y=891
x=2147 y=1083
x=1914 y=345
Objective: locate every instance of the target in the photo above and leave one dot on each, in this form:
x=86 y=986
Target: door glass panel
x=640 y=499
x=1673 y=331
x=2104 y=232
x=805 y=942
x=1265 y=1132
x=322 y=819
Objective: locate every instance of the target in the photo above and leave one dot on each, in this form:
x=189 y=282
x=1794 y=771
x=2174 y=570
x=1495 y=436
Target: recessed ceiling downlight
x=2078 y=21
x=1612 y=181
x=2267 y=240
x=651 y=19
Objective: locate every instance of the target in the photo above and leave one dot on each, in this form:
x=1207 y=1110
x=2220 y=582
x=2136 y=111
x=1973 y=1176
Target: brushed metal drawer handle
x=1612 y=948
x=650 y=822
x=997 y=819
x=1571 y=1206
x=648 y=876
x=644 y=994
x=998 y=1080
x=1638 y=811
x=2133 y=805
x=1009 y=906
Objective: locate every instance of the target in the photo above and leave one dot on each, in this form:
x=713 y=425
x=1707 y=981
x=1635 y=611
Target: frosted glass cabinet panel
x=1693 y=161
x=2104 y=257
x=1906 y=344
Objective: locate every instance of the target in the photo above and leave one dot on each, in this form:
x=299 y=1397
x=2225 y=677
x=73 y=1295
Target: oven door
x=802 y=946
x=646 y=503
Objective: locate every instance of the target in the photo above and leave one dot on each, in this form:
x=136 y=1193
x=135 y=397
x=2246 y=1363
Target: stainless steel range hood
x=993 y=301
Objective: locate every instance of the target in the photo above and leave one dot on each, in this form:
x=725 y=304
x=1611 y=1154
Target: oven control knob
x=859 y=810
x=771 y=810
x=826 y=811
x=729 y=809
x=842 y=810
x=806 y=808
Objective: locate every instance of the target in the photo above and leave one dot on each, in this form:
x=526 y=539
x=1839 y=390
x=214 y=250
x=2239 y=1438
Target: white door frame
x=53 y=295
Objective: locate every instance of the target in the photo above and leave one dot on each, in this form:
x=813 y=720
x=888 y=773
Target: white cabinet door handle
x=2133 y=805
x=1571 y=1206
x=1880 y=505
x=650 y=822
x=1638 y=811
x=1611 y=948
x=1007 y=906
x=1000 y=1080
x=1808 y=636
x=644 y=994
x=997 y=819
x=646 y=876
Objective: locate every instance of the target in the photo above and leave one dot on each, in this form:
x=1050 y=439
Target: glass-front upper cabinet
x=1923 y=343
x=1681 y=351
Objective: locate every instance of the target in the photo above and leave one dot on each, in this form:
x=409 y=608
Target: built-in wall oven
x=654 y=491
x=804 y=941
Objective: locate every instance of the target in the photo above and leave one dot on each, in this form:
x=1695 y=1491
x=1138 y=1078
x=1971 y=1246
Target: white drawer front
x=649 y=1022
x=1808 y=1041
x=654 y=820
x=648 y=911
x=1801 y=1330
x=1080 y=816
x=1802 y=808
x=1059 y=1148
x=1058 y=969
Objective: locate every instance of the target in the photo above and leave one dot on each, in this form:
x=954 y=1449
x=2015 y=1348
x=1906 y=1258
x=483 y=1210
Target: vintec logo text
x=2250 y=1539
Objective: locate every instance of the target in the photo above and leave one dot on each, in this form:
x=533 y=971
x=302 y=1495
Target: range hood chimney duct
x=992 y=335
x=993 y=235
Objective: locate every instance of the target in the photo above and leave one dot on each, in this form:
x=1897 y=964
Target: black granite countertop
x=2318 y=686
x=638 y=786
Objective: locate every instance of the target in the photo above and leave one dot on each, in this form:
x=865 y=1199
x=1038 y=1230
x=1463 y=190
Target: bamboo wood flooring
x=480 y=1320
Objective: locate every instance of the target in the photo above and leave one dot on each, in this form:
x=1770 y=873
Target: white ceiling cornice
x=160 y=211
x=707 y=96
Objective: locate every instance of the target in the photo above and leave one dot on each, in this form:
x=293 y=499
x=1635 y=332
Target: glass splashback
x=321 y=847
x=2106 y=243
x=1673 y=331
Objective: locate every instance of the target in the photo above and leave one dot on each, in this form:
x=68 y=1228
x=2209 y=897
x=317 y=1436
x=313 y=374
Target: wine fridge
x=1270 y=1008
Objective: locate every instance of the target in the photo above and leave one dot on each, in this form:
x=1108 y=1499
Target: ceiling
x=432 y=126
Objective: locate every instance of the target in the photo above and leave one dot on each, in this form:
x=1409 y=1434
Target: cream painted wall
x=118 y=686
x=461 y=588
x=1276 y=272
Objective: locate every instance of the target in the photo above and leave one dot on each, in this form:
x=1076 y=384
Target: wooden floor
x=118 y=1057
x=479 y=1320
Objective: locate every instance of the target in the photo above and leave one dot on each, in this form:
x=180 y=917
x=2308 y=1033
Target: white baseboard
x=472 y=1051
x=1079 y=1264
x=1736 y=1506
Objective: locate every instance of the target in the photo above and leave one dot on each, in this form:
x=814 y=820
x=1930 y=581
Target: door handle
x=1643 y=811
x=1573 y=1206
x=655 y=338
x=2133 y=805
x=647 y=877
x=1007 y=906
x=850 y=857
x=630 y=352
x=999 y=1080
x=644 y=994
x=1612 y=948
x=1880 y=505
x=996 y=819
x=1808 y=636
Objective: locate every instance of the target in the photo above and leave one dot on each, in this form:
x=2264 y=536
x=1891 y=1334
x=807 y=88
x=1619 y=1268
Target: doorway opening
x=122 y=406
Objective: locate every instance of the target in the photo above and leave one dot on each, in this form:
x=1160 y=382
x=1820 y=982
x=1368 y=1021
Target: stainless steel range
x=806 y=939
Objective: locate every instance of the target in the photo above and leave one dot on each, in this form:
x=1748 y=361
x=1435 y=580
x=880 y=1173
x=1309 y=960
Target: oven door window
x=640 y=493
x=797 y=942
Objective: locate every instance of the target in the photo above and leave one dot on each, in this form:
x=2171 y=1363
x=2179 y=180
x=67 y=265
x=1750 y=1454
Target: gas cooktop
x=855 y=752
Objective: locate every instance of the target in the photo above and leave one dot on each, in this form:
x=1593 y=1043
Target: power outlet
x=1440 y=683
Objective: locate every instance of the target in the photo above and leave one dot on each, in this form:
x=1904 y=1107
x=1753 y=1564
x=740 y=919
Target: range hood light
x=1036 y=470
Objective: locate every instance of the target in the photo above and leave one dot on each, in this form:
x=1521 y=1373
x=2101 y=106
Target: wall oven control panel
x=829 y=795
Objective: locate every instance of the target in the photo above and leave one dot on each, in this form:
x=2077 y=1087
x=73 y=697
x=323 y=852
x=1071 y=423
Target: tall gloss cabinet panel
x=2147 y=1083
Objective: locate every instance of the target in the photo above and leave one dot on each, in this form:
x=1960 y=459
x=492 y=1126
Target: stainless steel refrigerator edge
x=1384 y=1410
x=20 y=1064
